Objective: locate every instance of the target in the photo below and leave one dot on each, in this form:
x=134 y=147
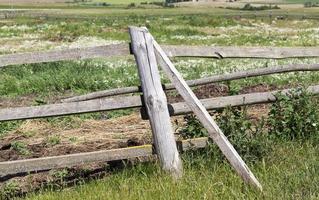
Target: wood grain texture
x=199 y=110
x=71 y=160
x=203 y=81
x=181 y=108
x=155 y=101
x=68 y=54
x=69 y=108
x=170 y=50
x=103 y=93
x=241 y=52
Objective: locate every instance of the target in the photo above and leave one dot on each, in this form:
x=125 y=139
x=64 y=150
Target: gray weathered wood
x=252 y=73
x=199 y=110
x=155 y=101
x=172 y=51
x=103 y=93
x=241 y=52
x=71 y=160
x=203 y=81
x=69 y=108
x=68 y=54
x=97 y=105
x=236 y=100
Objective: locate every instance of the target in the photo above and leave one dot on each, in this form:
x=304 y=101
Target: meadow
x=286 y=162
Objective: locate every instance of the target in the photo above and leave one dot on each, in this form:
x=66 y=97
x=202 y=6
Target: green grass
x=289 y=172
x=45 y=80
x=49 y=78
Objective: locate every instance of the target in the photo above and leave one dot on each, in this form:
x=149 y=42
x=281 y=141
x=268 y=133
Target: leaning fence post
x=155 y=101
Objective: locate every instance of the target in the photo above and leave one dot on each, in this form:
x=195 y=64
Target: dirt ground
x=50 y=138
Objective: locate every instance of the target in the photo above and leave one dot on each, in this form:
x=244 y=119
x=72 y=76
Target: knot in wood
x=156 y=103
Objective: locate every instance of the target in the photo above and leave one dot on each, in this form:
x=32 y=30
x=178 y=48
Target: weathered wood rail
x=62 y=55
x=241 y=52
x=170 y=50
x=56 y=162
x=147 y=53
x=97 y=105
x=212 y=79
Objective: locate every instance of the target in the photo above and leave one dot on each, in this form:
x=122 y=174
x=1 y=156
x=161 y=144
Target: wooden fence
x=148 y=55
x=170 y=50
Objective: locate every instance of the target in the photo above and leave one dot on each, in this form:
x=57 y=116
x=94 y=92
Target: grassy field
x=288 y=171
x=38 y=35
x=125 y=1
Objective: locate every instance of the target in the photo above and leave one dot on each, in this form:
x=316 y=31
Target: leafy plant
x=192 y=128
x=59 y=178
x=9 y=190
x=294 y=116
x=248 y=138
x=59 y=174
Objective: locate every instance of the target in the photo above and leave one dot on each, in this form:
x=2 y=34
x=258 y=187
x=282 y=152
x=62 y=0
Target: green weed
x=5 y=127
x=21 y=148
x=294 y=116
x=248 y=138
x=54 y=140
x=9 y=190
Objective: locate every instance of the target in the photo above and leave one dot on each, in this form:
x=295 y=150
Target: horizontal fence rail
x=71 y=160
x=97 y=105
x=170 y=50
x=238 y=100
x=203 y=81
x=61 y=109
x=241 y=52
x=67 y=54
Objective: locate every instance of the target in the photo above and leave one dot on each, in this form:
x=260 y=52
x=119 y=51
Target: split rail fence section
x=148 y=55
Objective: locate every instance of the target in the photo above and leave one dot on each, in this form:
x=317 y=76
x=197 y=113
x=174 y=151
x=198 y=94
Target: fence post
x=155 y=101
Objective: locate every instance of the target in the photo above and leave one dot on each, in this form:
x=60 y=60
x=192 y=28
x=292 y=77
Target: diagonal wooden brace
x=197 y=107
